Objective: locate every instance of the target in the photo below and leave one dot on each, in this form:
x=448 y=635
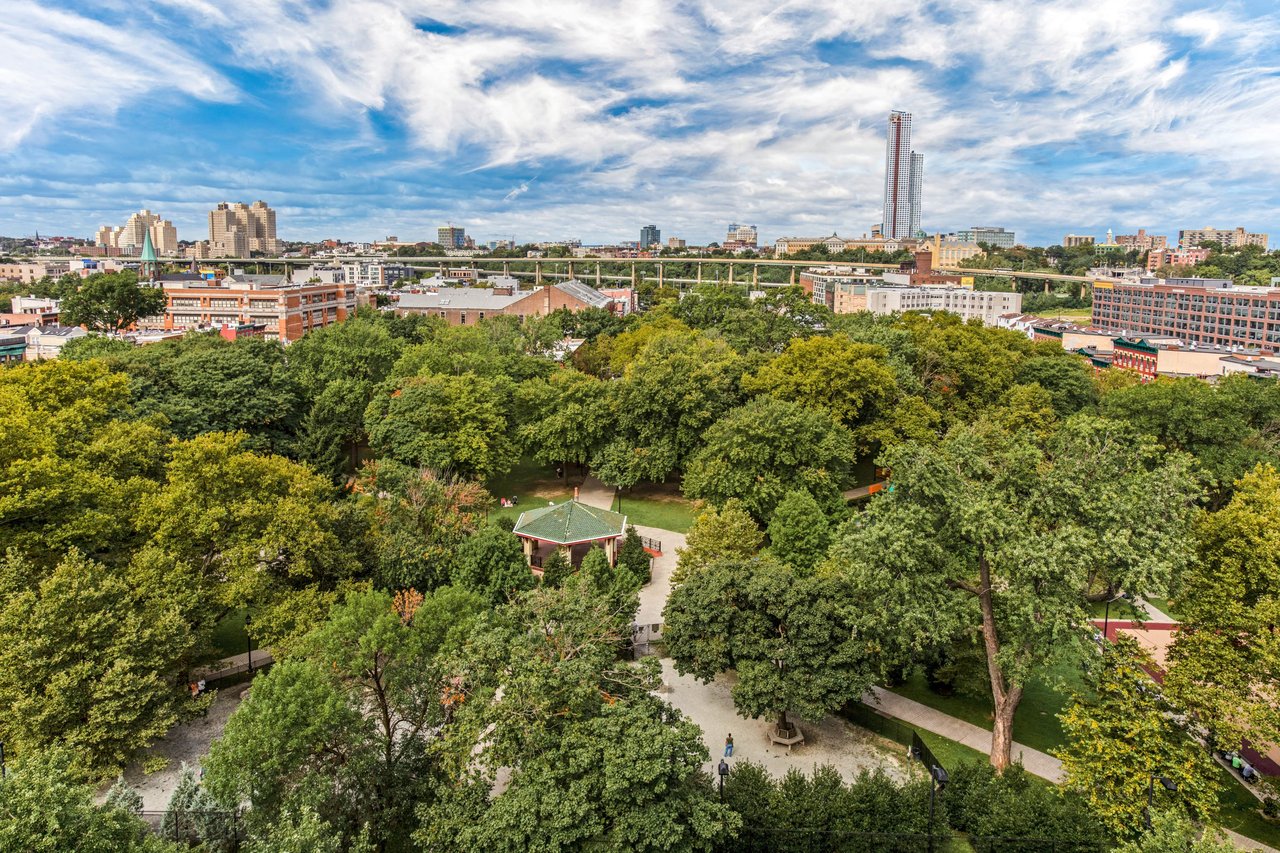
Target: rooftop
x=570 y=522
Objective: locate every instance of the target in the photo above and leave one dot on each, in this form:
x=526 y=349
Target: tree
x=850 y=380
x=1224 y=665
x=491 y=562
x=592 y=758
x=555 y=569
x=110 y=302
x=633 y=558
x=88 y=662
x=338 y=369
x=725 y=533
x=203 y=383
x=990 y=530
x=669 y=394
x=1066 y=377
x=366 y=693
x=1014 y=804
x=449 y=423
x=566 y=418
x=247 y=529
x=1171 y=833
x=420 y=520
x=44 y=806
x=791 y=640
x=759 y=452
x=95 y=346
x=799 y=532
x=1121 y=731
x=1229 y=426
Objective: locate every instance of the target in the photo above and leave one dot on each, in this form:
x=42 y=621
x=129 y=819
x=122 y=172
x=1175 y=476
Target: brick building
x=1196 y=310
x=461 y=306
x=286 y=311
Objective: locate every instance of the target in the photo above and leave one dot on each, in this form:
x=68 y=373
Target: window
x=462 y=318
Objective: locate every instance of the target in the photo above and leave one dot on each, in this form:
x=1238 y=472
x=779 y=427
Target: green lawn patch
x=1166 y=605
x=1121 y=610
x=1036 y=722
x=657 y=505
x=1240 y=812
x=533 y=483
x=229 y=636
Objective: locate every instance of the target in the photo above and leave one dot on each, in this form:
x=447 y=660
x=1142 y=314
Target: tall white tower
x=903 y=173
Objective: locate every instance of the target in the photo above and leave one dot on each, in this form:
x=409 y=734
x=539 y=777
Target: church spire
x=148 y=268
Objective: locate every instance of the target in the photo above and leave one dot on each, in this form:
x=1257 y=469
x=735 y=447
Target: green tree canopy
x=763 y=450
x=1224 y=665
x=718 y=534
x=449 y=423
x=991 y=530
x=799 y=532
x=1120 y=732
x=491 y=562
x=45 y=806
x=110 y=302
x=850 y=380
x=791 y=639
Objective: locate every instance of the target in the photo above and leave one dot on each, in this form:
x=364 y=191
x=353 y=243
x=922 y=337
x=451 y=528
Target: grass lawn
x=1166 y=605
x=657 y=505
x=1240 y=812
x=533 y=483
x=1065 y=313
x=229 y=636
x=1036 y=722
x=1120 y=610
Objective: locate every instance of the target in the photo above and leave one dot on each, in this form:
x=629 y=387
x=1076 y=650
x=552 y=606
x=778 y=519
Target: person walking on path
x=728 y=746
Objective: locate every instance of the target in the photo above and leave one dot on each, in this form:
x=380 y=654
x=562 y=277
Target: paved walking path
x=975 y=737
x=595 y=493
x=1154 y=614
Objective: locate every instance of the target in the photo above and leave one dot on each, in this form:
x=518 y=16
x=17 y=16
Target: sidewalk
x=922 y=716
x=595 y=493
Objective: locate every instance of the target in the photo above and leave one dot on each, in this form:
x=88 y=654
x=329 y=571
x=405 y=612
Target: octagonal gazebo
x=572 y=528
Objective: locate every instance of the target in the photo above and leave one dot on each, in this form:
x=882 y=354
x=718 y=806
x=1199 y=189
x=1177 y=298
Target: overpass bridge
x=745 y=271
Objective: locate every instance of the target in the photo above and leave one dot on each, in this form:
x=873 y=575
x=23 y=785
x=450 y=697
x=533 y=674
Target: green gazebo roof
x=570 y=522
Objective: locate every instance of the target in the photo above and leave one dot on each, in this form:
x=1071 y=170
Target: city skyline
x=1049 y=118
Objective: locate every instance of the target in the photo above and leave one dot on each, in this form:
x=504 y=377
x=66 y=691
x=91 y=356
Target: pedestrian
x=728 y=746
x=201 y=685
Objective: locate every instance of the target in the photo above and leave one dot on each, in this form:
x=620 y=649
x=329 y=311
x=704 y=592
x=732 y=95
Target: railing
x=651 y=544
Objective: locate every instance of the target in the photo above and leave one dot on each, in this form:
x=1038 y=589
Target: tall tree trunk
x=1004 y=697
x=782 y=724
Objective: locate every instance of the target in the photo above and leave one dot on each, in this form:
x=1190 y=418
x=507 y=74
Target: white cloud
x=704 y=110
x=56 y=66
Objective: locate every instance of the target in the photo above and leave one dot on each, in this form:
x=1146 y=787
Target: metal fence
x=218 y=829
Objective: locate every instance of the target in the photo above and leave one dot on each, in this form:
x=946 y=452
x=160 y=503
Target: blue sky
x=589 y=118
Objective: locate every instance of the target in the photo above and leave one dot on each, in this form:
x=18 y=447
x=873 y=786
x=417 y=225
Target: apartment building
x=1072 y=241
x=844 y=291
x=983 y=305
x=741 y=236
x=286 y=311
x=1196 y=310
x=1236 y=238
x=129 y=238
x=1142 y=241
x=31 y=271
x=1175 y=258
x=239 y=230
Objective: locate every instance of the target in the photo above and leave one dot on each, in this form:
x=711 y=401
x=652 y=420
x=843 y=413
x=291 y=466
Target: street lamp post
x=1168 y=784
x=3 y=773
x=724 y=771
x=1106 y=617
x=937 y=781
x=248 y=641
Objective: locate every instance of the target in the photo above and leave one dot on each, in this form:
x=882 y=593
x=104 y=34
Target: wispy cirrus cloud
x=363 y=116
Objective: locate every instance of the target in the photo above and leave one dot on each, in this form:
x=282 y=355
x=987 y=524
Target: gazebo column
x=611 y=550
x=528 y=550
x=566 y=551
